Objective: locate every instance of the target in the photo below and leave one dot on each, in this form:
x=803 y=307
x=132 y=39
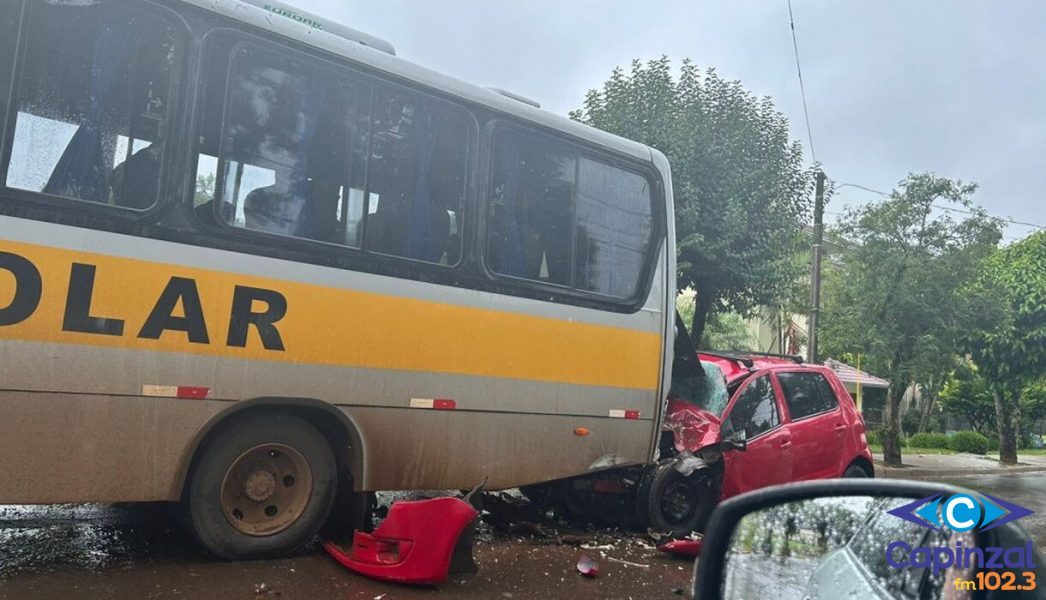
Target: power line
x=802 y=88
x=947 y=208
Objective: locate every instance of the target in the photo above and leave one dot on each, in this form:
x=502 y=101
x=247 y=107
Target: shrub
x=968 y=441
x=928 y=440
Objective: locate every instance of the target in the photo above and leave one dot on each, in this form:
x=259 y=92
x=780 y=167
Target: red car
x=794 y=421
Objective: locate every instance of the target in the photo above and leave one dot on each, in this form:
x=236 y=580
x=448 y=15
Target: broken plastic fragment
x=587 y=567
x=690 y=547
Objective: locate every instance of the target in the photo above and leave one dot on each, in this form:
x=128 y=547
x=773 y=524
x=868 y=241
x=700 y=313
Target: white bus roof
x=378 y=54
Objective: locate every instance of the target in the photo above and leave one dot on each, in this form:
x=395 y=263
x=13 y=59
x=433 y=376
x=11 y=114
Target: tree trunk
x=891 y=436
x=1008 y=416
x=702 y=306
x=924 y=420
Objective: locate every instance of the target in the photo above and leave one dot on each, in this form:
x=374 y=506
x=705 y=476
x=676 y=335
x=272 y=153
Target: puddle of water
x=93 y=537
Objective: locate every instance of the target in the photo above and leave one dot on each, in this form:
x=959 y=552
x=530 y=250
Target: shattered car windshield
x=708 y=392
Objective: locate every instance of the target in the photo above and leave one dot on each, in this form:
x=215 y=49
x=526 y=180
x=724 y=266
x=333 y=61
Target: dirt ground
x=138 y=551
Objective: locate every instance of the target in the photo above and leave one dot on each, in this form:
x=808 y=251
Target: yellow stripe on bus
x=322 y=325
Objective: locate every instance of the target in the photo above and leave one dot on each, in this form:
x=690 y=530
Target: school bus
x=253 y=262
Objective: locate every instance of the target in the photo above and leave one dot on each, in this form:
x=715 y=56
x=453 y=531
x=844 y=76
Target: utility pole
x=815 y=279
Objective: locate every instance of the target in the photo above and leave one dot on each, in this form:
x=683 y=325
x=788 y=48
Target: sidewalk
x=936 y=466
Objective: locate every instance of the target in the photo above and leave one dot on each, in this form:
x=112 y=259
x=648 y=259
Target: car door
x=755 y=410
x=817 y=425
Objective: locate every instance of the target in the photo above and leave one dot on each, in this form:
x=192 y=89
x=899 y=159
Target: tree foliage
x=966 y=394
x=723 y=331
x=896 y=292
x=1008 y=342
x=740 y=191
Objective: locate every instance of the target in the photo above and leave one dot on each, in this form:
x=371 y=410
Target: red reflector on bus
x=436 y=403
x=631 y=414
x=193 y=393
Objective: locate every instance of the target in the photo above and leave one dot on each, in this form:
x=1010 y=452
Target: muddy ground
x=139 y=551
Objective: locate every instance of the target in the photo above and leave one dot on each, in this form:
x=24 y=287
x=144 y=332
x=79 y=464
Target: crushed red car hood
x=693 y=428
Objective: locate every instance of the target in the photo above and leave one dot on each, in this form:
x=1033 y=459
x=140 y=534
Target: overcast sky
x=957 y=88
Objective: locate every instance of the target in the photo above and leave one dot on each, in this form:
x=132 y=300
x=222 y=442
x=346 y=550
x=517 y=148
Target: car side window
x=755 y=411
x=869 y=542
x=806 y=393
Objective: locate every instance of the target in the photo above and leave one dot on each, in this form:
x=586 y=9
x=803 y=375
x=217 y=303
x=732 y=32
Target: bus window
x=566 y=220
x=614 y=229
x=293 y=152
x=417 y=178
x=93 y=100
x=10 y=17
x=532 y=214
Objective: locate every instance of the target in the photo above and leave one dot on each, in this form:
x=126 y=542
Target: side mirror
x=735 y=441
x=866 y=539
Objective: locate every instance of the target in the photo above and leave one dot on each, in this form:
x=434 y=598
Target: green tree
x=966 y=394
x=723 y=331
x=1009 y=342
x=895 y=295
x=1033 y=401
x=204 y=189
x=740 y=191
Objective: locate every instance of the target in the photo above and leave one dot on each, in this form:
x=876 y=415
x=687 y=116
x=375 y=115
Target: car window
x=755 y=411
x=806 y=393
x=869 y=543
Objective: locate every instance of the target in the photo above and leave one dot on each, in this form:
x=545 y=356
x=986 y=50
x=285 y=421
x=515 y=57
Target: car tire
x=678 y=504
x=262 y=486
x=855 y=472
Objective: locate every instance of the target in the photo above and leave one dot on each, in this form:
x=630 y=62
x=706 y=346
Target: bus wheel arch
x=331 y=426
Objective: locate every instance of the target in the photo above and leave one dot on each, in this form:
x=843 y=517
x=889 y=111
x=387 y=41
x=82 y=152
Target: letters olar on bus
x=78 y=316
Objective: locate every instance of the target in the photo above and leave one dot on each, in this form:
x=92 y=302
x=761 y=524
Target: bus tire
x=263 y=486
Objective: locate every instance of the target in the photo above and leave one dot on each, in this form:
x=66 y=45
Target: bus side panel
x=412 y=449
x=521 y=374
x=79 y=448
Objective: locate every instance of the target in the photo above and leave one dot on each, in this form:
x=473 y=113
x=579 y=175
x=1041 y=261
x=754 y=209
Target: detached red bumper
x=414 y=544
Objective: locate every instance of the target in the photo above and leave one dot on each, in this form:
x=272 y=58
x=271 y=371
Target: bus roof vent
x=306 y=19
x=515 y=97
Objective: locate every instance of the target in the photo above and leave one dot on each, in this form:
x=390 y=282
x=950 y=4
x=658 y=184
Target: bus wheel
x=262 y=487
x=676 y=504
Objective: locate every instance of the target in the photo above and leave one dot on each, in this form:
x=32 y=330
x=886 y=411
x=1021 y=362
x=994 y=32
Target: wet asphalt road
x=138 y=551
x=1025 y=489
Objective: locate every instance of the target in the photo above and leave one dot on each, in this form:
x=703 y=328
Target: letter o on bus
x=28 y=289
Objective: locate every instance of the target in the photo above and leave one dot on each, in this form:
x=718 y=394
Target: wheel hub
x=678 y=503
x=260 y=486
x=266 y=489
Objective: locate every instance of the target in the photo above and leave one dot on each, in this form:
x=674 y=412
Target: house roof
x=852 y=375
